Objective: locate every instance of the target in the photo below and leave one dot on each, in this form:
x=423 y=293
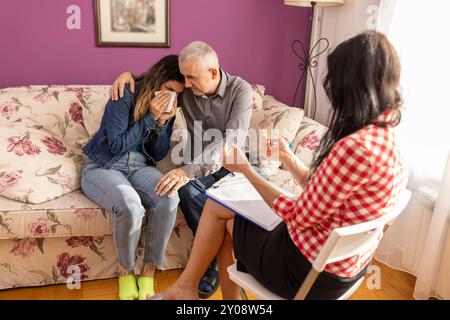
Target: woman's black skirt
x=273 y=259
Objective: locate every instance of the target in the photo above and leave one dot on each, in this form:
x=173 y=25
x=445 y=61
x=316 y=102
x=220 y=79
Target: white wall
x=339 y=24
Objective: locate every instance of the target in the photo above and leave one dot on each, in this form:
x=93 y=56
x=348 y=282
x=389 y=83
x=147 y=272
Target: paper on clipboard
x=239 y=195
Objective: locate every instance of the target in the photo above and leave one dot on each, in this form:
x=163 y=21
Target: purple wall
x=252 y=37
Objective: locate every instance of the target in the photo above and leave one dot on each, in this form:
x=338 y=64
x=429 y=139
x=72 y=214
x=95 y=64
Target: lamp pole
x=312 y=35
x=308 y=61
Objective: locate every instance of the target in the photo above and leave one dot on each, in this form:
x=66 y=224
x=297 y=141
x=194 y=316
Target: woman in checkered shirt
x=357 y=172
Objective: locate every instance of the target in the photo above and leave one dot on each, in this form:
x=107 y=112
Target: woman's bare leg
x=225 y=258
x=208 y=240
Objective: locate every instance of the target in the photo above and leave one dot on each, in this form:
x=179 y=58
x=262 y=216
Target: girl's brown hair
x=362 y=82
x=164 y=70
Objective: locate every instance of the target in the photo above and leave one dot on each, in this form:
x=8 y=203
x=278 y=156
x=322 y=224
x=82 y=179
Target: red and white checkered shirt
x=361 y=176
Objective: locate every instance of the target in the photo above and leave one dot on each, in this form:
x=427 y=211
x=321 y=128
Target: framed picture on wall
x=132 y=23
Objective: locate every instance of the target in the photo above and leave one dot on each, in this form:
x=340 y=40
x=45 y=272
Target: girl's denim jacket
x=118 y=133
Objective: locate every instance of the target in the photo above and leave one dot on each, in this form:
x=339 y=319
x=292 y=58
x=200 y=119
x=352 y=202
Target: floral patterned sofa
x=49 y=231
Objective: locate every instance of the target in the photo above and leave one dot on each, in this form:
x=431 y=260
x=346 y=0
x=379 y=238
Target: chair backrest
x=349 y=241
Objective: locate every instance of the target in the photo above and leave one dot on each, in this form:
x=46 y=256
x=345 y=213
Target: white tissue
x=173 y=96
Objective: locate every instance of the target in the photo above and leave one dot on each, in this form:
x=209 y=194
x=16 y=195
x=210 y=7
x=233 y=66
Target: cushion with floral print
x=96 y=98
x=36 y=166
x=273 y=120
x=258 y=96
x=307 y=140
x=58 y=109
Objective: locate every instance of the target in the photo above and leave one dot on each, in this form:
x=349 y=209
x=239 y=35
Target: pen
x=218 y=183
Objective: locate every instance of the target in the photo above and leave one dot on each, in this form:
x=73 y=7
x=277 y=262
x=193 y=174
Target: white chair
x=342 y=243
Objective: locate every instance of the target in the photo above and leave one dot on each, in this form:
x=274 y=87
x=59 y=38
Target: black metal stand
x=308 y=60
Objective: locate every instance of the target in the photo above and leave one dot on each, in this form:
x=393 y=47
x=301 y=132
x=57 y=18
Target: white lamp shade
x=319 y=3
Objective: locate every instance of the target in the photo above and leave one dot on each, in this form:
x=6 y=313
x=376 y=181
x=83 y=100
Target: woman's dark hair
x=362 y=82
x=164 y=70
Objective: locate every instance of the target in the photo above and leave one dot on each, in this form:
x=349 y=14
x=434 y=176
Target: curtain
x=419 y=241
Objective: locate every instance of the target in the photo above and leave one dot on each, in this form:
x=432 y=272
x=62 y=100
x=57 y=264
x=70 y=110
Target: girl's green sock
x=128 y=289
x=145 y=287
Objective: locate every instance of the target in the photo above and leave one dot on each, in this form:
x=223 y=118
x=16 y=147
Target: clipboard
x=237 y=194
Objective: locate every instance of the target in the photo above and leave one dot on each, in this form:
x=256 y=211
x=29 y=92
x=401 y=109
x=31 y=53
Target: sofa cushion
x=258 y=96
x=275 y=119
x=55 y=108
x=284 y=180
x=70 y=215
x=74 y=215
x=36 y=166
x=46 y=124
x=307 y=140
x=96 y=98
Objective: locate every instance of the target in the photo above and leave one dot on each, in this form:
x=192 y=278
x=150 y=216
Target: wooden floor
x=395 y=285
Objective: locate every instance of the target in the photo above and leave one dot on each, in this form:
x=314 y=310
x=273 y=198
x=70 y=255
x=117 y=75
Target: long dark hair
x=361 y=83
x=164 y=70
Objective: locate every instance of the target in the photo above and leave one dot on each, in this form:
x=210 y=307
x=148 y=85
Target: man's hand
x=234 y=159
x=171 y=182
x=118 y=85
